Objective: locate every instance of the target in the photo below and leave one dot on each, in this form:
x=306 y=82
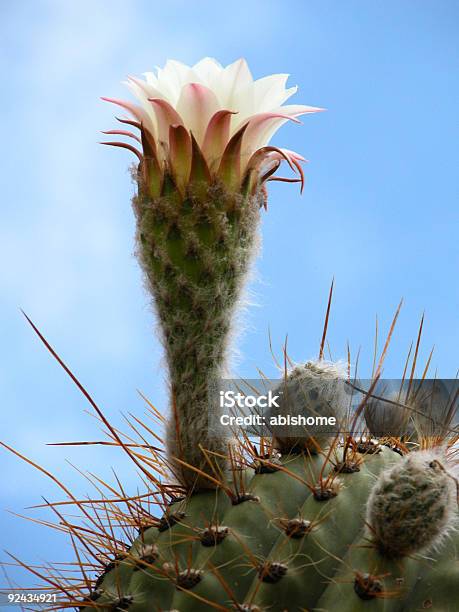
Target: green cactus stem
x=195 y=254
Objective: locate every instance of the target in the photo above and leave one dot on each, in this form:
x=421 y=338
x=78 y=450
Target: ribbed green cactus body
x=195 y=253
x=410 y=584
x=278 y=548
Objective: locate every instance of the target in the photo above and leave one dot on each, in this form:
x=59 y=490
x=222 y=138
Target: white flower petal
x=208 y=70
x=289 y=92
x=233 y=79
x=270 y=92
x=246 y=107
x=143 y=91
x=261 y=129
x=296 y=110
x=151 y=78
x=172 y=78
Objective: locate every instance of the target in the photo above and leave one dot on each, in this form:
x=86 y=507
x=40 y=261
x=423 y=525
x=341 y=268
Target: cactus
x=318 y=521
x=280 y=541
x=315 y=388
x=195 y=254
x=201 y=183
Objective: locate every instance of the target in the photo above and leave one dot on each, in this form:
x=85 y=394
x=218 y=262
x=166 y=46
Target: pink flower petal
x=295 y=159
x=260 y=129
x=230 y=166
x=294 y=155
x=122 y=133
x=148 y=144
x=166 y=115
x=136 y=111
x=127 y=146
x=217 y=136
x=282 y=179
x=200 y=173
x=269 y=172
x=197 y=104
x=152 y=170
x=254 y=176
x=180 y=154
x=132 y=122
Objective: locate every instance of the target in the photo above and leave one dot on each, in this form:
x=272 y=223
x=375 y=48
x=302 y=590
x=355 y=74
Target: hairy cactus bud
x=387 y=417
x=313 y=389
x=432 y=402
x=412 y=505
x=414 y=410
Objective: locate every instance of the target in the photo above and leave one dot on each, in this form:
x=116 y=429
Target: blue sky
x=379 y=211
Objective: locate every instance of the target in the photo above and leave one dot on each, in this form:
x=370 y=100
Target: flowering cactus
x=330 y=523
x=205 y=159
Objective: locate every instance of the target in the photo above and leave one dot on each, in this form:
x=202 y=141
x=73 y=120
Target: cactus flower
x=209 y=122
